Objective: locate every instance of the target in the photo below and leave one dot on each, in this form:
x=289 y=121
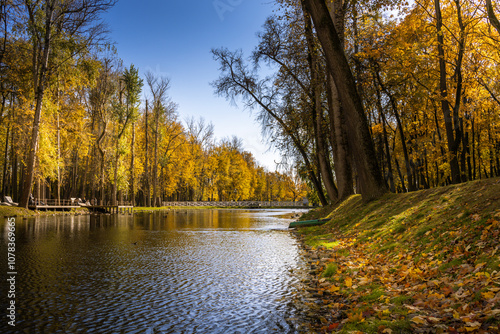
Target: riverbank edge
x=13 y=211
x=420 y=262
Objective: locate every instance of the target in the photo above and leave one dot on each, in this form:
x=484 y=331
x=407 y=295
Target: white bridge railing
x=243 y=204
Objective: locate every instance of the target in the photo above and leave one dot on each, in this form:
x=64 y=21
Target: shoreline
x=14 y=211
x=420 y=262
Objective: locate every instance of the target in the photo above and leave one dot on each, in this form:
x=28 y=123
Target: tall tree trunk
x=114 y=187
x=386 y=141
x=132 y=162
x=5 y=164
x=465 y=151
x=58 y=157
x=474 y=165
x=411 y=185
x=82 y=188
x=492 y=17
x=155 y=165
x=342 y=160
x=3 y=18
x=317 y=113
x=10 y=132
x=360 y=141
x=40 y=77
x=338 y=132
x=443 y=87
x=491 y=148
x=146 y=169
x=13 y=183
x=101 y=169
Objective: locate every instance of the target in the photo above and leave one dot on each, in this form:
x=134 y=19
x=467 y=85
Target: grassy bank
x=12 y=211
x=422 y=262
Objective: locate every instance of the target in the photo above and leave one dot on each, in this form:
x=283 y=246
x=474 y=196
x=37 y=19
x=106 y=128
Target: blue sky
x=174 y=39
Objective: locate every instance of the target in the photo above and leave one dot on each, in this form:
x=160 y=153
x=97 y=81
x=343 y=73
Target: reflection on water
x=196 y=271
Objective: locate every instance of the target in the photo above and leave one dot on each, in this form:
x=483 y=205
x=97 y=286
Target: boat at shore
x=305 y=223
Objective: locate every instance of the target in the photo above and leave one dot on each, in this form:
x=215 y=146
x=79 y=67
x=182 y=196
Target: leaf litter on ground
x=422 y=262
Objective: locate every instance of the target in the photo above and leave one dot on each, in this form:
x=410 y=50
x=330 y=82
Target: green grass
x=374 y=295
x=452 y=264
x=388 y=247
x=444 y=231
x=400 y=229
x=343 y=252
x=400 y=300
x=12 y=211
x=330 y=270
x=397 y=326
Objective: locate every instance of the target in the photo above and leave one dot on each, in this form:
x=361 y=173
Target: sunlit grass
x=413 y=249
x=330 y=270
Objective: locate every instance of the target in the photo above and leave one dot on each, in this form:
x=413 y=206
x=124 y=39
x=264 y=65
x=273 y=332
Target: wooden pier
x=66 y=205
x=114 y=209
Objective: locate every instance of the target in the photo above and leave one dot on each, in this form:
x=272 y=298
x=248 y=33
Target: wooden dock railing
x=73 y=203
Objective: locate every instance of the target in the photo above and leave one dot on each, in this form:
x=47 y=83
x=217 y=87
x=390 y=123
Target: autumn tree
x=126 y=113
x=158 y=87
x=48 y=22
x=360 y=141
x=238 y=80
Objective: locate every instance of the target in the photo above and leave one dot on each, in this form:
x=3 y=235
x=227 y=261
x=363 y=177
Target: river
x=182 y=271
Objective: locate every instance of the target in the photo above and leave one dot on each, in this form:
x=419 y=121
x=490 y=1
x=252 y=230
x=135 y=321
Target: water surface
x=188 y=271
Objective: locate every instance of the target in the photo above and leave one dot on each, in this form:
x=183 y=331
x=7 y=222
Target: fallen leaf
x=419 y=320
x=364 y=280
x=413 y=308
x=348 y=282
x=356 y=317
x=494 y=312
x=334 y=288
x=488 y=295
x=472 y=326
x=333 y=326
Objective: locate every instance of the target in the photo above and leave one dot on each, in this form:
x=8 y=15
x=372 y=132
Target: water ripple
x=151 y=274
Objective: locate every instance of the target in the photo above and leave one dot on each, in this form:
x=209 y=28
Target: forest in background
x=98 y=138
x=366 y=96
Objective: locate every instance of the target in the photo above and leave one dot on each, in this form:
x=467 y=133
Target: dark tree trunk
x=465 y=152
x=492 y=17
x=342 y=160
x=386 y=141
x=338 y=133
x=317 y=113
x=411 y=186
x=82 y=188
x=132 y=162
x=359 y=139
x=146 y=168
x=13 y=183
x=155 y=163
x=5 y=164
x=450 y=123
x=40 y=75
